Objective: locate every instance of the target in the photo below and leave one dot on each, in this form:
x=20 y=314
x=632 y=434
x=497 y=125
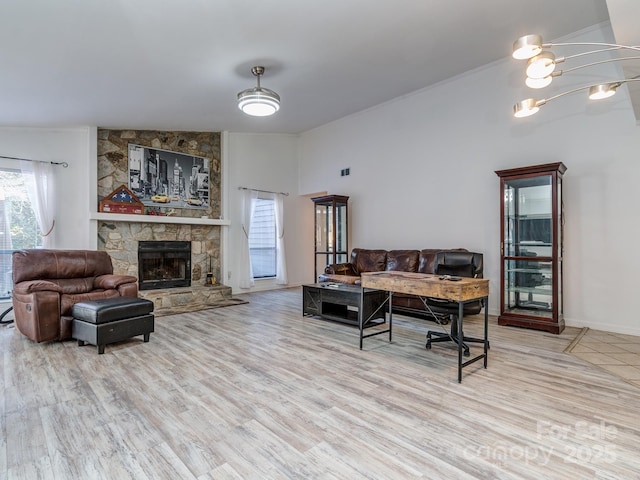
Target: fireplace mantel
x=121 y=217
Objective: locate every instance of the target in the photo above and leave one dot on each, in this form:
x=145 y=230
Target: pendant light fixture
x=597 y=91
x=541 y=69
x=258 y=101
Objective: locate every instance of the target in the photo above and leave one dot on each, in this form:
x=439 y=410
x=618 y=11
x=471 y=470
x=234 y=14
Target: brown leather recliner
x=47 y=283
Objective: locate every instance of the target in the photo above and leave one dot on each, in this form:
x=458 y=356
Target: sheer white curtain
x=38 y=179
x=281 y=259
x=249 y=198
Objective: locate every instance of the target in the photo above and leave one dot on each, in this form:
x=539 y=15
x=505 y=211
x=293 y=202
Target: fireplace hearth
x=164 y=264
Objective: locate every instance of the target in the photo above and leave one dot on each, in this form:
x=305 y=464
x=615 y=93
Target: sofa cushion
x=365 y=260
x=402 y=260
x=427 y=260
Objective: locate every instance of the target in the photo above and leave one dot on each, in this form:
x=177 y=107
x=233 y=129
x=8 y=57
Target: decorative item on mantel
x=122 y=200
x=210 y=281
x=159 y=212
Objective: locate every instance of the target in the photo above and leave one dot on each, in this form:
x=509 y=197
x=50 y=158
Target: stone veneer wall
x=120 y=239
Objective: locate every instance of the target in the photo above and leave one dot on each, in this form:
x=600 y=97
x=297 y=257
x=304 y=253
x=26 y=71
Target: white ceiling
x=179 y=64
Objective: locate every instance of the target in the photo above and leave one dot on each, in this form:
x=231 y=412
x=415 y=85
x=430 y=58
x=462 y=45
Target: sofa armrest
x=128 y=290
x=341 y=269
x=334 y=278
x=112 y=282
x=31 y=286
x=37 y=314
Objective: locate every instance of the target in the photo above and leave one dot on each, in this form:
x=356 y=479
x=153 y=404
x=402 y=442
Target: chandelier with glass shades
x=258 y=101
x=541 y=70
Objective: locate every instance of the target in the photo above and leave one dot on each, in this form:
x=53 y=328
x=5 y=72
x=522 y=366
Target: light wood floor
x=257 y=391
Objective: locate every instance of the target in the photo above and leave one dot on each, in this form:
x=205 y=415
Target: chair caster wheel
x=466 y=353
x=428 y=346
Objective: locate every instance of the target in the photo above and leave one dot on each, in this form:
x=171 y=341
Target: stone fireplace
x=122 y=238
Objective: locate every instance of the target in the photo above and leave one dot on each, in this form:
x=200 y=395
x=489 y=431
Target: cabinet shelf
x=529 y=244
x=531 y=216
x=529 y=270
x=532 y=290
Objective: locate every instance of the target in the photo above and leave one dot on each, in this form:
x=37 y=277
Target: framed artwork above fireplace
x=162 y=178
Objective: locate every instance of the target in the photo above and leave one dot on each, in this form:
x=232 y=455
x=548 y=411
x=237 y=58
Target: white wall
x=71 y=186
x=268 y=162
x=422 y=175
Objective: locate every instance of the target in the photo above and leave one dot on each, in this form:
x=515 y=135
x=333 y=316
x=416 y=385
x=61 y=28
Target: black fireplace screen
x=164 y=264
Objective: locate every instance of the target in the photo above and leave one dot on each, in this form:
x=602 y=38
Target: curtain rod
x=264 y=191
x=64 y=164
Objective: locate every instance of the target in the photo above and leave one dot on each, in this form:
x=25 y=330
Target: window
x=262 y=239
x=18 y=225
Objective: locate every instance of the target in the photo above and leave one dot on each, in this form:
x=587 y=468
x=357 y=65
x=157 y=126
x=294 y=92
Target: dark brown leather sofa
x=47 y=283
x=458 y=262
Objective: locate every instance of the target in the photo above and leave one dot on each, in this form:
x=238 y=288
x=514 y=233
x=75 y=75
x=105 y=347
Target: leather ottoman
x=111 y=320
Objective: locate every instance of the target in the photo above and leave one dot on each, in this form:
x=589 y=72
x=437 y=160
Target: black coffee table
x=345 y=303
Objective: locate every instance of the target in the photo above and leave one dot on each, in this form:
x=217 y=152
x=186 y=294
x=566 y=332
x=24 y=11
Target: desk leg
x=390 y=314
x=363 y=321
x=486 y=330
x=460 y=340
x=360 y=316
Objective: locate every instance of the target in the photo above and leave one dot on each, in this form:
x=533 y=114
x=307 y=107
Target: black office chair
x=460 y=264
x=4 y=314
x=6 y=282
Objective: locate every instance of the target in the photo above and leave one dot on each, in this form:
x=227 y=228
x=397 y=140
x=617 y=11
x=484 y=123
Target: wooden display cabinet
x=531 y=247
x=331 y=224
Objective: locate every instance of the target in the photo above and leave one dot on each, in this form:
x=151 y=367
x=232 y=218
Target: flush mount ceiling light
x=258 y=101
x=541 y=69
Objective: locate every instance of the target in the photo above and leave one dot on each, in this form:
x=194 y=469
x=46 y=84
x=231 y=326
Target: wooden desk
x=423 y=285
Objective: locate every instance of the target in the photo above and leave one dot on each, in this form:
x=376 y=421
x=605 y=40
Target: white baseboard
x=603 y=326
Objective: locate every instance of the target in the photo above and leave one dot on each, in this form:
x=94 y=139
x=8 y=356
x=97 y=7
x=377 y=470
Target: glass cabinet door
x=528 y=257
x=531 y=247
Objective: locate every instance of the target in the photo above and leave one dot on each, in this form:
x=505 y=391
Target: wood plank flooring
x=257 y=391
